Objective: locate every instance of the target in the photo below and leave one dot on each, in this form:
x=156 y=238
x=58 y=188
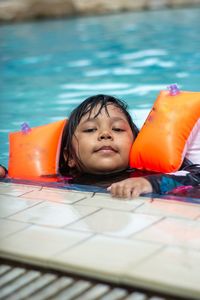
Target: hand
x=130 y=188
x=2 y=172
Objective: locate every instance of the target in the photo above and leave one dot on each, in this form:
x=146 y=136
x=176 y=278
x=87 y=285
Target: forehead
x=109 y=111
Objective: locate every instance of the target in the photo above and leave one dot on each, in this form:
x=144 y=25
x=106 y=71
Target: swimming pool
x=49 y=67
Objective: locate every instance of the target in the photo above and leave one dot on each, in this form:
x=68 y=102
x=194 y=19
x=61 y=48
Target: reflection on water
x=48 y=67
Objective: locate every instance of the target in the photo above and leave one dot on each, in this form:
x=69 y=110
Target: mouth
x=106 y=149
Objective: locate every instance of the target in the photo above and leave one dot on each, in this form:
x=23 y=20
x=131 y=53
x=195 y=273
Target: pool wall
x=20 y=10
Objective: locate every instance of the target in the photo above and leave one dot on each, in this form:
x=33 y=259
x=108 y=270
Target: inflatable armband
x=34 y=152
x=170 y=133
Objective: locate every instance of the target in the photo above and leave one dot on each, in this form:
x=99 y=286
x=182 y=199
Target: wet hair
x=86 y=107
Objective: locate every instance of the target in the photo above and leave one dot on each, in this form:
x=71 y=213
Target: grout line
x=73 y=246
x=28 y=192
x=162 y=214
x=148 y=226
x=75 y=202
x=24 y=209
x=157 y=251
x=135 y=208
x=81 y=218
x=18 y=231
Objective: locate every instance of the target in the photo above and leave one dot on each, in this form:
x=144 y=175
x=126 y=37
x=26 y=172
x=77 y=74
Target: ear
x=71 y=161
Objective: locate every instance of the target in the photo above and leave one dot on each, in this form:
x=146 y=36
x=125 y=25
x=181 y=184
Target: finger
x=112 y=189
x=117 y=190
x=125 y=192
x=136 y=191
x=128 y=193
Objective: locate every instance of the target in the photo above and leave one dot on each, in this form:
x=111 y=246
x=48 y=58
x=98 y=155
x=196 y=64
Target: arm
x=164 y=183
x=159 y=183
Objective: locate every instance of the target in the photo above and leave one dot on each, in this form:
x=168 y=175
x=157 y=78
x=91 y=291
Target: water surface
x=48 y=67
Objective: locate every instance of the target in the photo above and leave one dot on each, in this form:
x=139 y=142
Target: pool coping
x=161 y=233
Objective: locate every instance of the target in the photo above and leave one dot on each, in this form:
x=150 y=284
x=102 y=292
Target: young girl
x=95 y=149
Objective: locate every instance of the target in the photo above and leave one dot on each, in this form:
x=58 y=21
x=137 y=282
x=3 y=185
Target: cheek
x=75 y=146
x=126 y=148
x=81 y=147
x=127 y=142
x=131 y=140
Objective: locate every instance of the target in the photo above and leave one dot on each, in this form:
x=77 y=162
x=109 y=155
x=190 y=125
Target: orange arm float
x=161 y=143
x=35 y=153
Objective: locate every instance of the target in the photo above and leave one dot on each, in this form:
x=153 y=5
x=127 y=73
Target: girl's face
x=102 y=144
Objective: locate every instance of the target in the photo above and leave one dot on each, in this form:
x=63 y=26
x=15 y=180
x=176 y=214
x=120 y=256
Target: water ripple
x=101 y=86
x=152 y=62
x=144 y=53
x=79 y=63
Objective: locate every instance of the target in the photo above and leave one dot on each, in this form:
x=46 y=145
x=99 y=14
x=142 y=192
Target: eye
x=89 y=130
x=117 y=129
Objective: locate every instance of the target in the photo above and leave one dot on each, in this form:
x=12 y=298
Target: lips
x=105 y=149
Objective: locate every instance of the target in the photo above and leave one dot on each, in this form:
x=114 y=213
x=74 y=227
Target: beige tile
x=38 y=242
x=173 y=232
x=170 y=208
x=60 y=196
x=103 y=257
x=173 y=269
x=53 y=214
x=10 y=205
x=9 y=227
x=106 y=201
x=114 y=222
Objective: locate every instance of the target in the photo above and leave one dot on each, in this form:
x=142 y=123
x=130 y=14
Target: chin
x=108 y=170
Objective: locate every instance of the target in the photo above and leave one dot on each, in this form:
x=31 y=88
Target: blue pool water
x=48 y=67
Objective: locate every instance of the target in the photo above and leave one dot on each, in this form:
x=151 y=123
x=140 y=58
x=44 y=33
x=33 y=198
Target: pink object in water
x=173 y=89
x=25 y=128
x=182 y=189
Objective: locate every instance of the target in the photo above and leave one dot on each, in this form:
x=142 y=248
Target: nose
x=105 y=135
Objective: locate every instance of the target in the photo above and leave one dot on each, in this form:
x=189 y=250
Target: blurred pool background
x=48 y=67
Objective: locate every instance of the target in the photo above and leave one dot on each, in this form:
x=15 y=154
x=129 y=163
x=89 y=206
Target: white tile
x=2 y=184
x=55 y=195
x=53 y=214
x=169 y=208
x=15 y=190
x=9 y=227
x=173 y=232
x=173 y=269
x=34 y=186
x=10 y=205
x=38 y=242
x=63 y=190
x=113 y=222
x=103 y=257
x=106 y=201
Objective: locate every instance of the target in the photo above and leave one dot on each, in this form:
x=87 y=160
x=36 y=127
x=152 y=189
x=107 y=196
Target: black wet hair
x=75 y=117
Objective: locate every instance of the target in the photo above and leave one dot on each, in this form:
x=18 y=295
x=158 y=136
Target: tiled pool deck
x=148 y=243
